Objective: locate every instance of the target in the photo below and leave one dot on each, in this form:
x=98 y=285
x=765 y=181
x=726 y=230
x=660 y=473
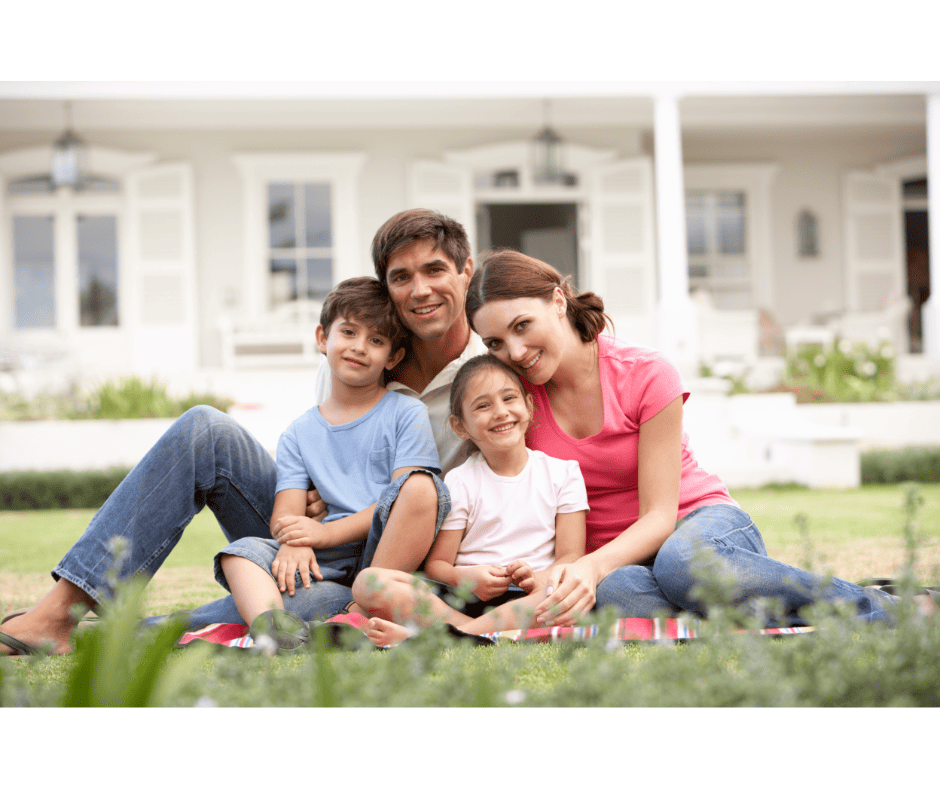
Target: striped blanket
x=626 y=630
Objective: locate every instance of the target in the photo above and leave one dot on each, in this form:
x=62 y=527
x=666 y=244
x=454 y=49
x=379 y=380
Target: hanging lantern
x=547 y=154
x=68 y=157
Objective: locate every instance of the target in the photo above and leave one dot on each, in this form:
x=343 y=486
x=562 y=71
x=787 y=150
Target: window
x=300 y=241
x=718 y=246
x=301 y=233
x=46 y=295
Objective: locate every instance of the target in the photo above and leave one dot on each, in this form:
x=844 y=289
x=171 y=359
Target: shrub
x=845 y=372
x=32 y=490
x=912 y=464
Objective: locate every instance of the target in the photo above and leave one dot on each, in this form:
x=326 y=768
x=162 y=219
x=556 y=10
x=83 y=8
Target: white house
x=717 y=221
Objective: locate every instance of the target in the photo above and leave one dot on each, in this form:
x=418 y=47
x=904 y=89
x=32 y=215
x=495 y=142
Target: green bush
x=913 y=464
x=33 y=490
x=845 y=372
x=125 y=398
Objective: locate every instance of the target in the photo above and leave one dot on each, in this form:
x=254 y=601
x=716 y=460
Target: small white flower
x=515 y=697
x=205 y=703
x=820 y=360
x=869 y=368
x=266 y=645
x=845 y=346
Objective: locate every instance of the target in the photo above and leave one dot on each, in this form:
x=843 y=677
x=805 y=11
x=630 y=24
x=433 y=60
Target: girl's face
x=527 y=334
x=495 y=412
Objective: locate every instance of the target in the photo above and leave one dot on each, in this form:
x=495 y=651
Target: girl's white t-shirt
x=512 y=518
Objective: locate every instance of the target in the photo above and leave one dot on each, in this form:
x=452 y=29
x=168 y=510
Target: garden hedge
x=33 y=490
x=913 y=464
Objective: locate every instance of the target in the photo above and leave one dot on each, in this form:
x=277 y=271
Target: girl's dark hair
x=508 y=274
x=466 y=373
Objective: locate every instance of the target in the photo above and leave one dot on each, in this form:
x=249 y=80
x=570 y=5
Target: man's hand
x=290 y=560
x=300 y=532
x=489 y=582
x=316 y=508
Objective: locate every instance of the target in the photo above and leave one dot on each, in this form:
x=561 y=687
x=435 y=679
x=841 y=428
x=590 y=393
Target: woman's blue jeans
x=723 y=539
x=204 y=459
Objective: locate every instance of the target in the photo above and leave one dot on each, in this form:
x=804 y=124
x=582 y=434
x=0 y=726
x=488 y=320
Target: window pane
x=318 y=215
x=283 y=280
x=34 y=271
x=696 y=222
x=97 y=270
x=281 y=216
x=731 y=223
x=319 y=277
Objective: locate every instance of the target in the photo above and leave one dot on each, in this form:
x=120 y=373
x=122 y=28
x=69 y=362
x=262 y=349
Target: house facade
x=720 y=225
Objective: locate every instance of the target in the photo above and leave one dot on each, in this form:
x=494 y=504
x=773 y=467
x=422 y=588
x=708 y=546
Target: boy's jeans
x=204 y=459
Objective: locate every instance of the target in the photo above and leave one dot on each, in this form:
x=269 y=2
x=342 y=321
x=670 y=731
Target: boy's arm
x=305 y=531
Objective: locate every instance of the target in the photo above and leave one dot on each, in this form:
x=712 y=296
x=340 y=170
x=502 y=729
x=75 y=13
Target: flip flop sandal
x=14 y=614
x=287 y=631
x=20 y=649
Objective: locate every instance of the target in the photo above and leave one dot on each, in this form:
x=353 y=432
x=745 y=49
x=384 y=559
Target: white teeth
x=534 y=362
x=503 y=428
x=424 y=310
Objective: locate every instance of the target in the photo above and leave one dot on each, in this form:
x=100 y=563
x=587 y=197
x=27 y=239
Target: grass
x=843 y=664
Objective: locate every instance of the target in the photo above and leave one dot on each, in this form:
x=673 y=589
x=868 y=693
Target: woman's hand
x=489 y=582
x=290 y=560
x=571 y=594
x=300 y=532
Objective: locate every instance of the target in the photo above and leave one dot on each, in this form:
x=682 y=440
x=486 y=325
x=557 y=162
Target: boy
x=361 y=448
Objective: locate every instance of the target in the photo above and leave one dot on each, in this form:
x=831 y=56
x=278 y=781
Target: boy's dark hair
x=466 y=373
x=418 y=224
x=366 y=300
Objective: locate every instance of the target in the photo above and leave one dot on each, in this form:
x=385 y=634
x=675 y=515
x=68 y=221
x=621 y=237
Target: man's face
x=426 y=289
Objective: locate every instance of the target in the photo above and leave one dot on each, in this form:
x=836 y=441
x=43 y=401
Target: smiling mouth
x=426 y=310
x=533 y=362
x=503 y=428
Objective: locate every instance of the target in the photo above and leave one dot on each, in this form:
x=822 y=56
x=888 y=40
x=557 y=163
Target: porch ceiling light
x=68 y=156
x=547 y=149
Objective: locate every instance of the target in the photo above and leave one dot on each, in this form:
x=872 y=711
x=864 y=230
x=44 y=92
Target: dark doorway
x=546 y=231
x=918 y=260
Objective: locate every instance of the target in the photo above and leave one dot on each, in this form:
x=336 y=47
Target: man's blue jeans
x=722 y=538
x=204 y=459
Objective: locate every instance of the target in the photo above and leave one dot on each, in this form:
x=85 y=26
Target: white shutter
x=162 y=269
x=874 y=257
x=622 y=261
x=447 y=188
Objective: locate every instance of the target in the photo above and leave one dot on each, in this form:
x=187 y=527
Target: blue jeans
x=722 y=537
x=204 y=459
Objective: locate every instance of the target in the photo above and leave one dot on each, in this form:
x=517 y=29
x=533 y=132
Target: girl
x=617 y=410
x=515 y=514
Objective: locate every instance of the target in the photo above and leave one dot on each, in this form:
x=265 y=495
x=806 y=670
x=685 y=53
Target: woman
x=617 y=409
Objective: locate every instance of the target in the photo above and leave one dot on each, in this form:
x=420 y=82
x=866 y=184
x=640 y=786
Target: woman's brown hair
x=508 y=274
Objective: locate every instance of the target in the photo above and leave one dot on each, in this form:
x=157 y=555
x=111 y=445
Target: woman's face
x=528 y=334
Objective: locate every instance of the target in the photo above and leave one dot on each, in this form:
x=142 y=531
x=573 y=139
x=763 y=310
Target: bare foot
x=385 y=633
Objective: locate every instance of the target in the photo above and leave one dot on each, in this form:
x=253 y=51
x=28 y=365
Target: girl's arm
x=660 y=469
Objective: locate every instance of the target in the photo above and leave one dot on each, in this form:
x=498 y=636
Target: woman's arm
x=660 y=469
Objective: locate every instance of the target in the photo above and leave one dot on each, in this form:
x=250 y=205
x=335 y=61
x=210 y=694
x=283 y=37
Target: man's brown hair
x=419 y=224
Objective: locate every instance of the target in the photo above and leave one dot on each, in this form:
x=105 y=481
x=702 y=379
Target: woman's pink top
x=637 y=383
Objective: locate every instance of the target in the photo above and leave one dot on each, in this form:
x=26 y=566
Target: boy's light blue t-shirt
x=350 y=464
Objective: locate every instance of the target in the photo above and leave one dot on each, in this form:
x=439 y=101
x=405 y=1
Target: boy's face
x=356 y=352
x=426 y=289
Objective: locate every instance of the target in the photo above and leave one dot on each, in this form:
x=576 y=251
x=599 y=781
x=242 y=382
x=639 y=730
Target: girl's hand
x=521 y=574
x=571 y=593
x=489 y=581
x=300 y=532
x=290 y=560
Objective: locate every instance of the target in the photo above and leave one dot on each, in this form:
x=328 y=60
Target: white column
x=677 y=336
x=931 y=309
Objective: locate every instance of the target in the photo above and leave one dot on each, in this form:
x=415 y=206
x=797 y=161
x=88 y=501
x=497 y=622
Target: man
x=208 y=459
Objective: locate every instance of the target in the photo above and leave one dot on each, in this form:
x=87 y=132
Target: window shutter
x=873 y=242
x=622 y=260
x=162 y=269
x=447 y=188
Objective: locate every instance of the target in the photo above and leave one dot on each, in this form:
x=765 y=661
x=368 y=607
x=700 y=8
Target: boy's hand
x=300 y=532
x=290 y=560
x=316 y=508
x=521 y=574
x=489 y=581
